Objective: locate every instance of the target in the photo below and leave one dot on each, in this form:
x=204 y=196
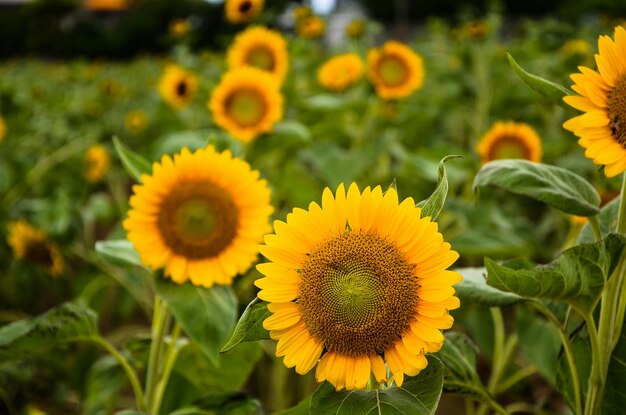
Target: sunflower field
x=283 y=212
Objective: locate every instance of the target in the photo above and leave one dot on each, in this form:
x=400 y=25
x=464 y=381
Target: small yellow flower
x=243 y=11
x=179 y=28
x=96 y=163
x=395 y=70
x=311 y=27
x=32 y=244
x=341 y=71
x=355 y=29
x=3 y=128
x=576 y=47
x=246 y=103
x=178 y=86
x=260 y=48
x=302 y=12
x=136 y=121
x=510 y=140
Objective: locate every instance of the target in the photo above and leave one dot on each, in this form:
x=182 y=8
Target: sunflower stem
x=502 y=351
x=171 y=355
x=595 y=227
x=159 y=321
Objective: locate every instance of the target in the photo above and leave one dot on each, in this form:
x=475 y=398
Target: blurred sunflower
x=136 y=120
x=356 y=283
x=310 y=27
x=576 y=47
x=395 y=70
x=3 y=128
x=355 y=29
x=476 y=30
x=260 y=48
x=341 y=71
x=32 y=244
x=200 y=216
x=178 y=86
x=179 y=28
x=246 y=103
x=602 y=127
x=302 y=12
x=96 y=163
x=243 y=11
x=510 y=140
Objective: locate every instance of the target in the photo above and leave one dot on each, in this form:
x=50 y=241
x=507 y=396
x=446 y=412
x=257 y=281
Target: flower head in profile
x=311 y=27
x=261 y=48
x=395 y=70
x=340 y=72
x=178 y=86
x=97 y=163
x=200 y=216
x=358 y=285
x=602 y=98
x=509 y=140
x=246 y=103
x=32 y=244
x=243 y=11
x=136 y=121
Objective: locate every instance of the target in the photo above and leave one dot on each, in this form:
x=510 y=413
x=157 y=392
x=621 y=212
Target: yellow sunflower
x=355 y=284
x=395 y=70
x=602 y=127
x=32 y=244
x=96 y=163
x=261 y=48
x=340 y=72
x=136 y=121
x=246 y=103
x=3 y=128
x=510 y=140
x=178 y=86
x=355 y=29
x=243 y=11
x=310 y=27
x=200 y=216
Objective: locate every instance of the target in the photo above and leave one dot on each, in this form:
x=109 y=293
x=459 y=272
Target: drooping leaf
x=576 y=277
x=66 y=323
x=293 y=130
x=458 y=355
x=134 y=164
x=608 y=222
x=555 y=186
x=548 y=89
x=418 y=395
x=207 y=315
x=474 y=288
x=434 y=203
x=250 y=325
x=118 y=252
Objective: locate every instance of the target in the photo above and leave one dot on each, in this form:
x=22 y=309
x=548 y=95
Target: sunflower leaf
x=118 y=252
x=608 y=222
x=250 y=325
x=576 y=277
x=418 y=395
x=474 y=289
x=66 y=323
x=433 y=205
x=555 y=186
x=548 y=89
x=207 y=315
x=134 y=164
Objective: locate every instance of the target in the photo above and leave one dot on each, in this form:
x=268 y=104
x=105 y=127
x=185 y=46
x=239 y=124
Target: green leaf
x=302 y=408
x=250 y=325
x=134 y=164
x=576 y=277
x=325 y=102
x=555 y=186
x=540 y=343
x=66 y=323
x=581 y=348
x=433 y=205
x=608 y=222
x=118 y=252
x=550 y=90
x=229 y=403
x=474 y=289
x=207 y=315
x=105 y=381
x=418 y=395
x=292 y=129
x=615 y=393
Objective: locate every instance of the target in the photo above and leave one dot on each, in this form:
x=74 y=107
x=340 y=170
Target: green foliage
x=118 y=252
x=134 y=164
x=433 y=205
x=608 y=222
x=250 y=325
x=458 y=355
x=474 y=288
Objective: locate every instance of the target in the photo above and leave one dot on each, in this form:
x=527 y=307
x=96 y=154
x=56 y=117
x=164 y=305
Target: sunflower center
x=358 y=294
x=617 y=111
x=261 y=57
x=245 y=6
x=246 y=107
x=181 y=88
x=198 y=220
x=38 y=252
x=392 y=70
x=508 y=147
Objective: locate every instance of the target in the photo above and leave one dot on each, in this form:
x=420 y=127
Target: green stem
x=170 y=359
x=501 y=353
x=597 y=377
x=159 y=321
x=595 y=227
x=130 y=372
x=509 y=382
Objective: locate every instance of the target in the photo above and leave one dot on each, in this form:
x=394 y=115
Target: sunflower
x=243 y=11
x=395 y=70
x=355 y=29
x=178 y=28
x=261 y=48
x=136 y=121
x=96 y=163
x=310 y=27
x=510 y=140
x=302 y=12
x=32 y=244
x=3 y=128
x=200 y=216
x=178 y=86
x=340 y=72
x=356 y=283
x=246 y=103
x=602 y=127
